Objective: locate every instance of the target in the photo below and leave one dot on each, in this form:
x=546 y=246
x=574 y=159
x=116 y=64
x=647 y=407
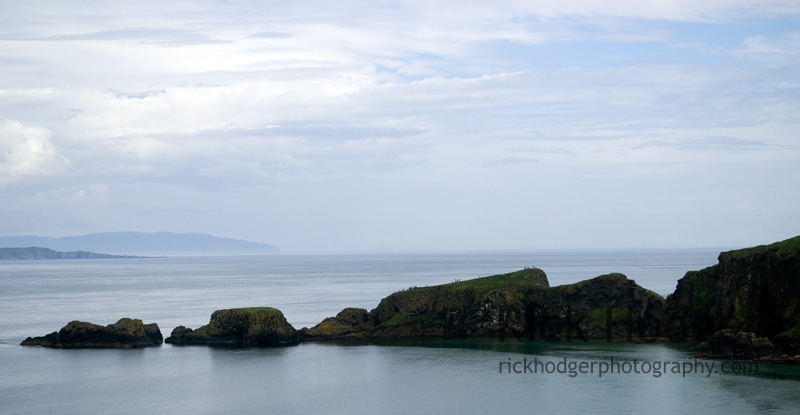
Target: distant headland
x=142 y=243
x=36 y=252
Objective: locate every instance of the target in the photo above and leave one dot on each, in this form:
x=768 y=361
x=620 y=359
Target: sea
x=435 y=375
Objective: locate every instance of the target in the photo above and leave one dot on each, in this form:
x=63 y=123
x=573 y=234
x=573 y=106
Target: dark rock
x=153 y=333
x=754 y=290
x=125 y=333
x=519 y=304
x=348 y=321
x=729 y=344
x=258 y=326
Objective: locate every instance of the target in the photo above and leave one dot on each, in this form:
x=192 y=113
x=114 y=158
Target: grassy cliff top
x=607 y=278
x=526 y=278
x=256 y=309
x=455 y=294
x=787 y=248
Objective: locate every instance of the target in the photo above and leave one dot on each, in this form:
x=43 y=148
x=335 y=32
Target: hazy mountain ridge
x=132 y=243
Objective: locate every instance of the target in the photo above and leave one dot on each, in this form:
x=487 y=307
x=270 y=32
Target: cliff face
x=754 y=291
x=125 y=333
x=258 y=326
x=519 y=304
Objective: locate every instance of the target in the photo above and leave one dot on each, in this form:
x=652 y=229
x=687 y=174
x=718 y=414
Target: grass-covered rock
x=520 y=303
x=125 y=333
x=255 y=326
x=750 y=293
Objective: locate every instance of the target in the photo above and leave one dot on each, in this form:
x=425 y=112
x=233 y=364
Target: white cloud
x=78 y=195
x=783 y=49
x=26 y=151
x=416 y=118
x=95 y=194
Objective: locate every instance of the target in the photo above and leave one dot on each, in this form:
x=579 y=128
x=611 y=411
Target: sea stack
x=255 y=326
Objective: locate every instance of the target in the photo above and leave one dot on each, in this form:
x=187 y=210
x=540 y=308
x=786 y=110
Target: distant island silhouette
x=141 y=243
x=36 y=252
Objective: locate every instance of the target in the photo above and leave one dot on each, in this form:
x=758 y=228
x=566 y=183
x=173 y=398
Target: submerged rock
x=125 y=333
x=257 y=326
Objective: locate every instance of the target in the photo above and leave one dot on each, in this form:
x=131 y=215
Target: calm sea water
x=431 y=376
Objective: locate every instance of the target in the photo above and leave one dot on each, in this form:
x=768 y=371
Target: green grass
x=792 y=309
x=701 y=294
x=256 y=309
x=792 y=332
x=598 y=315
x=526 y=278
x=572 y=288
x=428 y=304
x=789 y=247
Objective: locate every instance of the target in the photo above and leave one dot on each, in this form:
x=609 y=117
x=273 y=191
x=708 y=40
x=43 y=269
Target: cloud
x=95 y=193
x=148 y=35
x=513 y=161
x=781 y=49
x=26 y=152
x=402 y=118
x=78 y=195
x=711 y=144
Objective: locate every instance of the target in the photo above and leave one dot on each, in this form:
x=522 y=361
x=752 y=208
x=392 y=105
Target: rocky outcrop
x=610 y=306
x=125 y=333
x=730 y=344
x=519 y=304
x=257 y=326
x=750 y=298
x=350 y=321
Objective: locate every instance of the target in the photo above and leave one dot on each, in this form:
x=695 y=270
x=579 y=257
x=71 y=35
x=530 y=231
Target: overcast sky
x=424 y=125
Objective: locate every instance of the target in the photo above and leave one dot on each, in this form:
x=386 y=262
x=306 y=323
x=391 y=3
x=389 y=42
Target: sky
x=404 y=125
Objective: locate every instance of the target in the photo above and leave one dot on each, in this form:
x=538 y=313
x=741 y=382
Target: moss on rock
x=522 y=302
x=252 y=326
x=753 y=290
x=125 y=333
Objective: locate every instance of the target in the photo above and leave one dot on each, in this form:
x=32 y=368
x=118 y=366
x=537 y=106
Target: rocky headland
x=125 y=333
x=516 y=305
x=747 y=306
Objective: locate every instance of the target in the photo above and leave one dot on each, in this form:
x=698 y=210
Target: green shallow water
x=407 y=377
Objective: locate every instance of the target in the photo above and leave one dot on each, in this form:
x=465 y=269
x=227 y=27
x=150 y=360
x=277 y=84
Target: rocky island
x=256 y=326
x=125 y=333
